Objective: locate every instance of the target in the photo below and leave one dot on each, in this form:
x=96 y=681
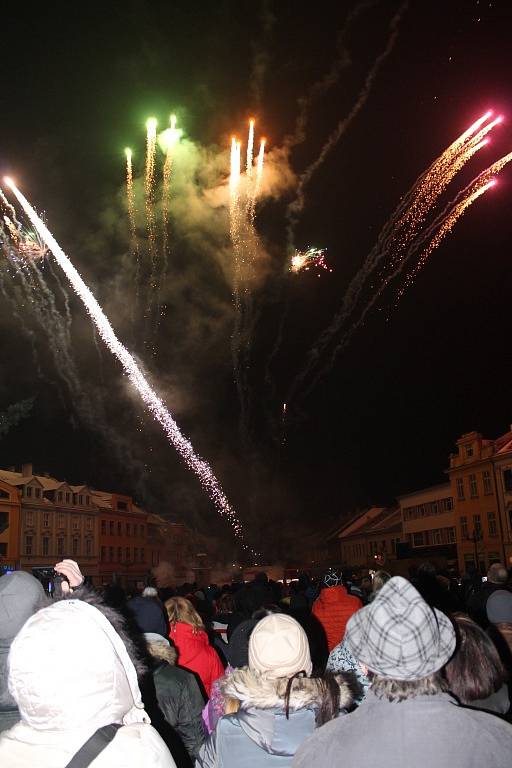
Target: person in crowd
x=435 y=589
x=499 y=614
x=342 y=661
x=187 y=633
x=475 y=673
x=497 y=578
x=21 y=595
x=237 y=652
x=408 y=719
x=73 y=675
x=300 y=610
x=148 y=613
x=334 y=607
x=274 y=703
x=379 y=579
x=225 y=607
x=179 y=699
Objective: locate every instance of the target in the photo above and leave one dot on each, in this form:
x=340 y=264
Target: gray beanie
x=21 y=595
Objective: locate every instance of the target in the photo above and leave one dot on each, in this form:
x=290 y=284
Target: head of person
x=179 y=609
x=402 y=641
x=150 y=592
x=279 y=647
x=237 y=650
x=73 y=669
x=379 y=579
x=499 y=607
x=332 y=578
x=475 y=671
x=226 y=603
x=497 y=574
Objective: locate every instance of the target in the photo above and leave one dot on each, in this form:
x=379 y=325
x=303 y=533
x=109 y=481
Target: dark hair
x=401 y=690
x=329 y=697
x=475 y=671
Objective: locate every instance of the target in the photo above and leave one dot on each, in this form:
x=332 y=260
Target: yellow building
x=478 y=513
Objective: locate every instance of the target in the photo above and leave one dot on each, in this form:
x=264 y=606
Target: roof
x=439 y=486
x=360 y=520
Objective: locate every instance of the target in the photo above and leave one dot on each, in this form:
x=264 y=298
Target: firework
x=149 y=397
x=150 y=177
x=313 y=258
x=130 y=196
x=250 y=148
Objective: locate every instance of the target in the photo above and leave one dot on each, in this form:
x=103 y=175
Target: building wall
x=476 y=502
x=429 y=521
x=123 y=543
x=503 y=482
x=10 y=512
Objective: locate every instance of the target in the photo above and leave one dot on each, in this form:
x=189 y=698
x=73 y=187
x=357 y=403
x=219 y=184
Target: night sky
x=78 y=83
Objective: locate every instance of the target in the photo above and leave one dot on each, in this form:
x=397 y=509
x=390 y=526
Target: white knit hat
x=279 y=647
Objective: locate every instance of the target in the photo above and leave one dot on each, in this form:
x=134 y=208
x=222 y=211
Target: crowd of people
x=339 y=671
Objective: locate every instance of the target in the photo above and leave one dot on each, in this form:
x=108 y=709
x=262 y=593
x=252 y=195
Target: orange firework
x=250 y=147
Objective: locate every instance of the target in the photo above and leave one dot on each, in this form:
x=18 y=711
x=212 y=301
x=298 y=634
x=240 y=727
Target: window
x=59 y=496
x=142 y=556
x=122 y=505
x=103 y=554
x=111 y=527
x=436 y=536
x=451 y=535
x=89 y=524
x=60 y=546
x=448 y=503
x=464 y=527
x=477 y=526
x=29 y=492
x=507 y=480
x=142 y=530
x=81 y=500
x=119 y=554
x=28 y=545
x=76 y=524
x=128 y=529
x=87 y=500
x=119 y=529
x=469 y=450
x=29 y=519
x=46 y=519
x=460 y=488
x=491 y=522
x=37 y=493
x=135 y=529
x=418 y=539
x=75 y=546
x=135 y=554
x=127 y=554
x=46 y=545
x=486 y=476
x=68 y=498
x=473 y=490
x=88 y=547
x=104 y=527
x=111 y=554
x=62 y=520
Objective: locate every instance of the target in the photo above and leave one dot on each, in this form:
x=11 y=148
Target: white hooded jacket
x=70 y=674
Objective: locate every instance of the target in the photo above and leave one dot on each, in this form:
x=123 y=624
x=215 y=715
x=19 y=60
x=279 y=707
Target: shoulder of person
x=135 y=745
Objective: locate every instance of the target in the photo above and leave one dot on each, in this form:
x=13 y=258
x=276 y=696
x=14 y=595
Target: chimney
x=26 y=470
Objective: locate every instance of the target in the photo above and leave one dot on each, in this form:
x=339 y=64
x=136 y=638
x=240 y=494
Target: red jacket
x=333 y=609
x=196 y=654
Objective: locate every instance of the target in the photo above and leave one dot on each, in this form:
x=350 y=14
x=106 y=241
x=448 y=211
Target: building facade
x=479 y=511
x=429 y=523
x=371 y=539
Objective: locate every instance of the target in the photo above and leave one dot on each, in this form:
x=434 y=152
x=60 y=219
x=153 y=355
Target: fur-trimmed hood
x=253 y=689
x=160 y=650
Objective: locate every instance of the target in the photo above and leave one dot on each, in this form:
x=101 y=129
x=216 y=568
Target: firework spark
x=149 y=397
x=309 y=259
x=130 y=196
x=250 y=149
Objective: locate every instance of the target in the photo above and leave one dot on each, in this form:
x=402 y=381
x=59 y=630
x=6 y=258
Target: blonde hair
x=181 y=609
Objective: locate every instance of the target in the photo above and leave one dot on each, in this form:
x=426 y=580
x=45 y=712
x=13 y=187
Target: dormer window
x=68 y=498
x=81 y=500
x=469 y=451
x=28 y=491
x=59 y=496
x=37 y=493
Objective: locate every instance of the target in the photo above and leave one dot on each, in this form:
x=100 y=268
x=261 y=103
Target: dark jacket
x=178 y=696
x=477 y=603
x=260 y=734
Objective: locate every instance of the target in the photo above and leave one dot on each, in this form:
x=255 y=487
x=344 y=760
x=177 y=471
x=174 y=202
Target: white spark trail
x=155 y=405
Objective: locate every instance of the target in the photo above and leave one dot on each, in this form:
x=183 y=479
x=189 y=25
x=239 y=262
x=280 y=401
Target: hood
x=332 y=594
x=21 y=595
x=262 y=717
x=160 y=649
x=69 y=670
x=189 y=641
x=254 y=689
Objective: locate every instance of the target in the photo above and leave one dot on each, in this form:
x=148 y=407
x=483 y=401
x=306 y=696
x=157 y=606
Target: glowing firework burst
x=149 y=397
x=313 y=258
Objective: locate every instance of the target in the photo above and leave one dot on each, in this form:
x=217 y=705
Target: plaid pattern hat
x=399 y=635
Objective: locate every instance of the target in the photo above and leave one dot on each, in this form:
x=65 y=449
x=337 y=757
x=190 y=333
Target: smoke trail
x=297 y=206
x=341 y=62
x=15 y=413
x=153 y=403
x=261 y=56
